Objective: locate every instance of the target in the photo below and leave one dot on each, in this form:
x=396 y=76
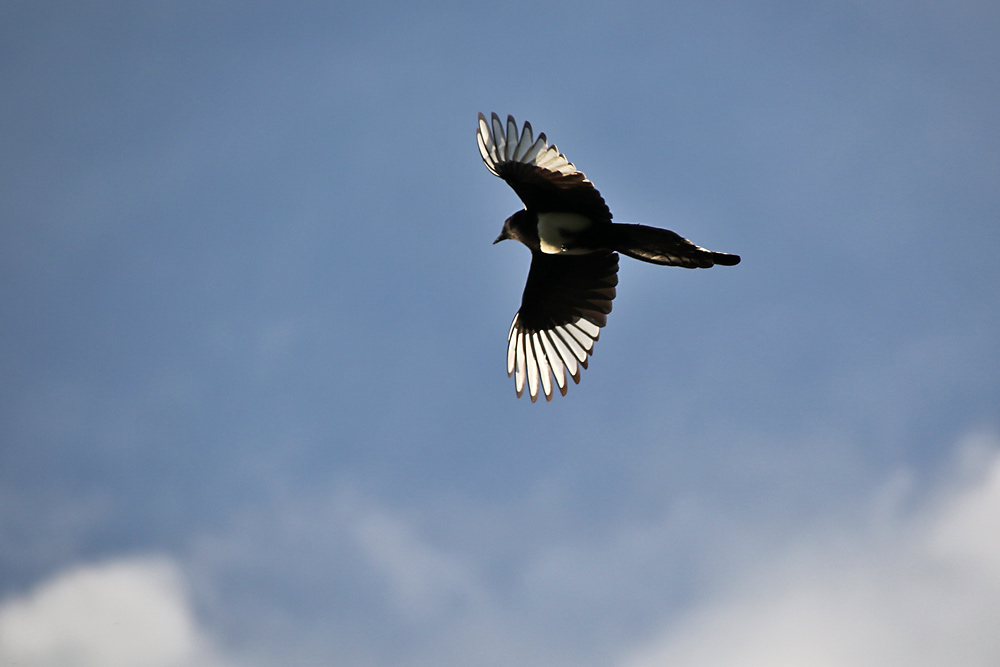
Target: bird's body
x=574 y=263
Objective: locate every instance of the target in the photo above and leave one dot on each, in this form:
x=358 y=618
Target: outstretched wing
x=540 y=175
x=566 y=301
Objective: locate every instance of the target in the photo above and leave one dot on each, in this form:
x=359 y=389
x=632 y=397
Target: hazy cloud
x=118 y=614
x=923 y=590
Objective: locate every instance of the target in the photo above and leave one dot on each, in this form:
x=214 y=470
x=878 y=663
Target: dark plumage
x=574 y=262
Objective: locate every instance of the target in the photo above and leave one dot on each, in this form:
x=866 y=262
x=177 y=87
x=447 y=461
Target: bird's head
x=504 y=233
x=516 y=227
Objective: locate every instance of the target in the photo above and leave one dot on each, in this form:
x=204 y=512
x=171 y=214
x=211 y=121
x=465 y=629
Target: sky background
x=253 y=400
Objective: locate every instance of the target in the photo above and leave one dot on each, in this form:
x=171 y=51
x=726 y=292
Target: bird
x=574 y=247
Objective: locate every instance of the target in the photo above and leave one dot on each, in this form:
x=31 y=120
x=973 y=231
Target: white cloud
x=918 y=590
x=118 y=614
x=350 y=580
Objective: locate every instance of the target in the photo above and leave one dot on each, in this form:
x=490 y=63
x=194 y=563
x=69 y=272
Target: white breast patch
x=556 y=230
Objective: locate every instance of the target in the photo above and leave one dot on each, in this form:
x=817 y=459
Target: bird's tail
x=662 y=246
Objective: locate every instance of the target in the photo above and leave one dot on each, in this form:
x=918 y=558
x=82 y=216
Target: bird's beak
x=499 y=239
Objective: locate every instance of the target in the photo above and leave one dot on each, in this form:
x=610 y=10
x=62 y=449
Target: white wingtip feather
x=588 y=328
x=499 y=140
x=555 y=361
x=512 y=139
x=585 y=341
x=511 y=346
x=544 y=370
x=519 y=374
x=529 y=358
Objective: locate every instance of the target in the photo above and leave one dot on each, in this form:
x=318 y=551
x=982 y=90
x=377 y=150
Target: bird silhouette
x=574 y=255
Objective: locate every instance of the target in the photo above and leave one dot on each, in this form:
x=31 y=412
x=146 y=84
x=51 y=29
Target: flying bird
x=574 y=261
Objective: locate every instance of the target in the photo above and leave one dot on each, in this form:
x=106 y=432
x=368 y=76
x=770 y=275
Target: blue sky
x=253 y=402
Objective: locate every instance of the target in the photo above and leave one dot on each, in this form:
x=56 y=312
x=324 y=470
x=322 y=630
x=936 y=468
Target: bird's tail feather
x=662 y=246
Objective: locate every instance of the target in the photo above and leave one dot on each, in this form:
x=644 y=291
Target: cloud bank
x=914 y=581
x=923 y=590
x=121 y=613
